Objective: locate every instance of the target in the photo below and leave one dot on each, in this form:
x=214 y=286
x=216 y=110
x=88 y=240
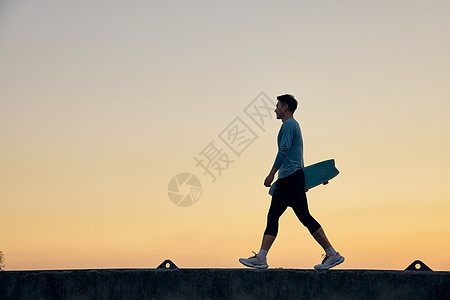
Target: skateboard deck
x=316 y=174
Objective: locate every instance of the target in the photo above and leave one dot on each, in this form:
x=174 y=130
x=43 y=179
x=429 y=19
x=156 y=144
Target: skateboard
x=316 y=174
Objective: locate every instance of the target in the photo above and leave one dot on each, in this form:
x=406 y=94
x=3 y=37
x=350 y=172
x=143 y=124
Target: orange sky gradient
x=102 y=104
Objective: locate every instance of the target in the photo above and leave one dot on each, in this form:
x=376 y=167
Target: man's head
x=286 y=106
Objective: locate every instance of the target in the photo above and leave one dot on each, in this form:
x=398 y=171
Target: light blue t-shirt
x=290 y=148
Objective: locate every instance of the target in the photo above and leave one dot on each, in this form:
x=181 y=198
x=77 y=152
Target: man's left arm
x=283 y=149
x=270 y=177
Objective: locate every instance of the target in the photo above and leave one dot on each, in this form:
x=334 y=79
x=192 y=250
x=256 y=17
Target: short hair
x=289 y=100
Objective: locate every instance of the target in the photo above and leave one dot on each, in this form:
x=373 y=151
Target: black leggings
x=290 y=191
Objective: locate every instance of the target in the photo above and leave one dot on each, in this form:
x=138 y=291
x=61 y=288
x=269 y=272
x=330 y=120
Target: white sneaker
x=254 y=262
x=329 y=262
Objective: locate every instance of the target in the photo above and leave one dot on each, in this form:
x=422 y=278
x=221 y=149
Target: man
x=290 y=189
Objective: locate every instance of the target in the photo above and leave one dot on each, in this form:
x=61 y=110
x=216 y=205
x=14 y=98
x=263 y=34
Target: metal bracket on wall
x=417 y=265
x=167 y=264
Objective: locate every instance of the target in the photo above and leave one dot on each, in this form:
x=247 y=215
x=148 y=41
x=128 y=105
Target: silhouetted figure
x=290 y=189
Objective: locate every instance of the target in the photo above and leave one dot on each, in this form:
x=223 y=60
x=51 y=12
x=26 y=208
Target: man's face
x=280 y=110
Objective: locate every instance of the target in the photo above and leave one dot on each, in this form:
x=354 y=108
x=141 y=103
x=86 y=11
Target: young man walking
x=290 y=190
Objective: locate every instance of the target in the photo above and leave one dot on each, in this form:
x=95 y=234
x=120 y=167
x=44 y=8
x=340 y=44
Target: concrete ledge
x=223 y=284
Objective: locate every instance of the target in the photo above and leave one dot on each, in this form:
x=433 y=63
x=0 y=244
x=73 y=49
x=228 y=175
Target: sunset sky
x=102 y=103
